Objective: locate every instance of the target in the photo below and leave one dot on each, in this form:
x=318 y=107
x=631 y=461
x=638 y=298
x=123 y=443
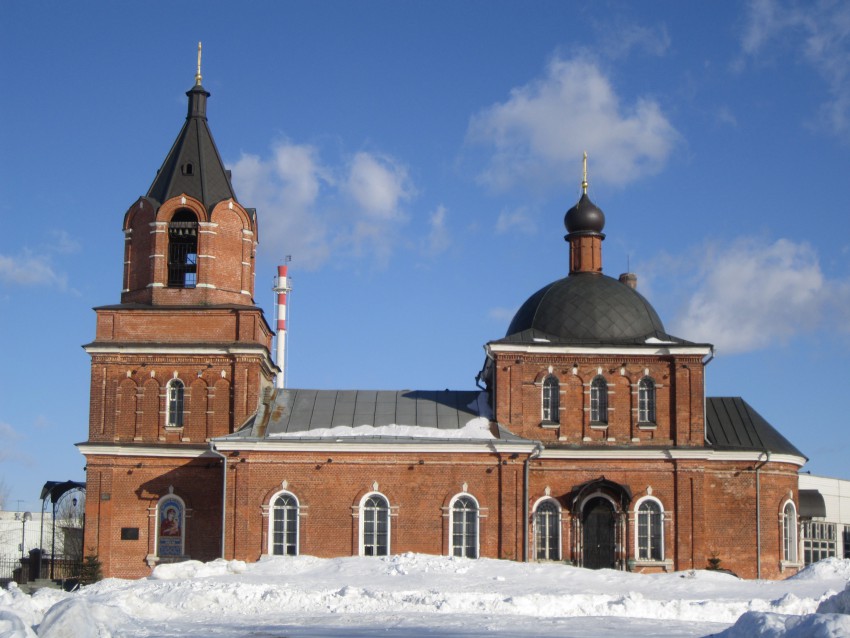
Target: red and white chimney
x=282 y=288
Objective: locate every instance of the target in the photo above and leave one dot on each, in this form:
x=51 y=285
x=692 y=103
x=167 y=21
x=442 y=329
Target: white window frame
x=790 y=534
x=647 y=401
x=550 y=399
x=273 y=509
x=558 y=514
x=637 y=514
x=476 y=521
x=362 y=516
x=599 y=401
x=169 y=411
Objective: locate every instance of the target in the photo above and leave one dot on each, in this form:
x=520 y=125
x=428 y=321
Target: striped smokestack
x=282 y=287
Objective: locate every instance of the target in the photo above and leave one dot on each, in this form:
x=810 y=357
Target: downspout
x=223 y=494
x=535 y=453
x=758 y=512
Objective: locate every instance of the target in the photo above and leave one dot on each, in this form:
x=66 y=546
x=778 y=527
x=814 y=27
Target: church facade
x=589 y=439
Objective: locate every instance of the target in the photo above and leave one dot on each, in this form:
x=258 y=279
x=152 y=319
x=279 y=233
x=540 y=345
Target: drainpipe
x=223 y=493
x=535 y=453
x=758 y=512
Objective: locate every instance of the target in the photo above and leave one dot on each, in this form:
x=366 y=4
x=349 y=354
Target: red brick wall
x=679 y=397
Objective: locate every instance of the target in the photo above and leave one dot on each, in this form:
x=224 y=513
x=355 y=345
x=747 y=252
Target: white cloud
x=517 y=219
x=378 y=184
x=438 y=239
x=501 y=314
x=27 y=269
x=308 y=211
x=620 y=41
x=538 y=134
x=818 y=33
x=285 y=189
x=752 y=294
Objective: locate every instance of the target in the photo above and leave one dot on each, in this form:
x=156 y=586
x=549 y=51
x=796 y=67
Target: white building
x=824 y=517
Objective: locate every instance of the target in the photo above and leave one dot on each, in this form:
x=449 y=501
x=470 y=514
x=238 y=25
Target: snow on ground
x=418 y=595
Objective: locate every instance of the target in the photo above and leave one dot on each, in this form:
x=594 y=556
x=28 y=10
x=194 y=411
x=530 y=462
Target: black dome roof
x=589 y=307
x=584 y=217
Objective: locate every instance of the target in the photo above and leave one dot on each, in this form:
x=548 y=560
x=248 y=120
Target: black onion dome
x=584 y=217
x=590 y=308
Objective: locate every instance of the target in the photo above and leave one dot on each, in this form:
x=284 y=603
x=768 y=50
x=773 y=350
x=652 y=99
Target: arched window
x=465 y=527
x=374 y=526
x=599 y=400
x=283 y=535
x=174 y=411
x=183 y=250
x=789 y=533
x=550 y=399
x=547 y=531
x=170 y=526
x=650 y=530
x=646 y=400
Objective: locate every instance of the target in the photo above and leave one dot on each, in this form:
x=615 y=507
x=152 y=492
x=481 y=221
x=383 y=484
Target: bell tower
x=184 y=357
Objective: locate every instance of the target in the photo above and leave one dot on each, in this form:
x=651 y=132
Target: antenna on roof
x=198 y=74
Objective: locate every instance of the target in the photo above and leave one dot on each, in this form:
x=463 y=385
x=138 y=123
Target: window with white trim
x=464 y=522
x=176 y=393
x=547 y=530
x=789 y=533
x=374 y=526
x=818 y=541
x=551 y=389
x=646 y=400
x=599 y=401
x=283 y=523
x=650 y=530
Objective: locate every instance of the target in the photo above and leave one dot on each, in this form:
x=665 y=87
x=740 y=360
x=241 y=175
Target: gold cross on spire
x=198 y=74
x=584 y=175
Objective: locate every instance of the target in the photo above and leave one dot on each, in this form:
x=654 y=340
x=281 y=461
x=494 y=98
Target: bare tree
x=70 y=519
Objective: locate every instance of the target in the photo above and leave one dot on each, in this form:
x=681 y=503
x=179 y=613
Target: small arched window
x=374 y=526
x=789 y=533
x=599 y=400
x=183 y=250
x=547 y=531
x=174 y=412
x=464 y=527
x=646 y=400
x=551 y=402
x=650 y=531
x=283 y=534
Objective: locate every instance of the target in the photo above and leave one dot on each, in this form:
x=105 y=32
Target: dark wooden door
x=598 y=534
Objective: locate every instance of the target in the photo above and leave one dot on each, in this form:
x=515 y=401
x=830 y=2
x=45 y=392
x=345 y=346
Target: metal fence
x=29 y=568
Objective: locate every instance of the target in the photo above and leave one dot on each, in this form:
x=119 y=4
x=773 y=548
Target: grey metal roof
x=812 y=504
x=587 y=308
x=294 y=412
x=207 y=181
x=732 y=424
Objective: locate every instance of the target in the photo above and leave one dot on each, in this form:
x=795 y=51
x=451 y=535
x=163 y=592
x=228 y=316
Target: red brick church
x=588 y=441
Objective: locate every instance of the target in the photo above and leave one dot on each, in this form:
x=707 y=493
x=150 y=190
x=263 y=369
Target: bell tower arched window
x=183 y=250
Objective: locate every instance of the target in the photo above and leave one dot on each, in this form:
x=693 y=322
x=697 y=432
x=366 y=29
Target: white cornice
x=669 y=454
x=486 y=446
x=649 y=349
x=164 y=348
x=161 y=451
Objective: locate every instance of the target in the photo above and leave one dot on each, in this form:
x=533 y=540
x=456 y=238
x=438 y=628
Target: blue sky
x=416 y=160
